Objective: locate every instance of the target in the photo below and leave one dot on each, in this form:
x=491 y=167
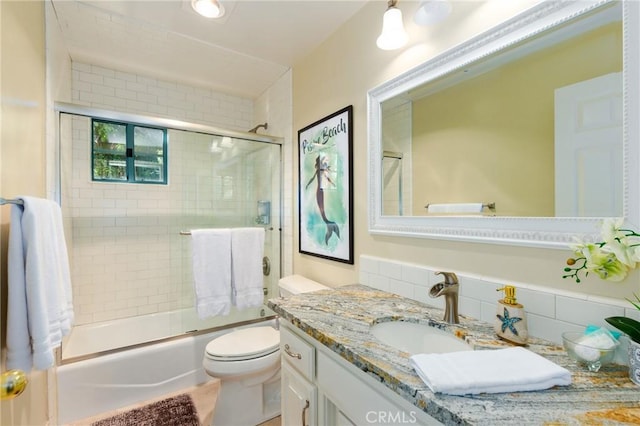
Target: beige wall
x=22 y=158
x=339 y=73
x=490 y=139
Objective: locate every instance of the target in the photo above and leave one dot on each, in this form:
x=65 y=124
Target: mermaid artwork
x=322 y=173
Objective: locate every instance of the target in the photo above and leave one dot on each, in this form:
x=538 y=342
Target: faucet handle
x=449 y=277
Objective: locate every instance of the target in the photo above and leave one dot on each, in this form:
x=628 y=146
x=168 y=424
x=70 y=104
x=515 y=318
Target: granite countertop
x=340 y=319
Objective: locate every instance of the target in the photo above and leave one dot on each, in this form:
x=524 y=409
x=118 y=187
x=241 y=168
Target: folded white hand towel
x=211 y=256
x=40 y=305
x=488 y=371
x=247 y=250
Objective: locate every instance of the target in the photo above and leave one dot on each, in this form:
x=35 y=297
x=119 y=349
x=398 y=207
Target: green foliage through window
x=127 y=152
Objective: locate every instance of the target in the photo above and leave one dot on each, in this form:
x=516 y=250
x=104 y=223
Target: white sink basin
x=417 y=338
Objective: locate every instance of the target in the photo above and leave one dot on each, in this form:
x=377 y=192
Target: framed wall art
x=325 y=186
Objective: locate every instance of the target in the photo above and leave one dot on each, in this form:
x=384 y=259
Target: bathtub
x=97 y=384
x=88 y=340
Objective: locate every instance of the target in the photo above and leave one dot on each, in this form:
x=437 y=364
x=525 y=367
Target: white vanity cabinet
x=298 y=398
x=338 y=393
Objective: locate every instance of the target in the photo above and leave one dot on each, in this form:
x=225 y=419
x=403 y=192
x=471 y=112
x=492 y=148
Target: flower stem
x=575 y=270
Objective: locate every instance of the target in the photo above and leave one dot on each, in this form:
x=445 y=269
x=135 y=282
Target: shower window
x=127 y=152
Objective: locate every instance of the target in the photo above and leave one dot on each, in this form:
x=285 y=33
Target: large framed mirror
x=526 y=134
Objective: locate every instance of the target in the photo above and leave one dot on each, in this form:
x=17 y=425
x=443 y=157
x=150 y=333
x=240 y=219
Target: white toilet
x=247 y=361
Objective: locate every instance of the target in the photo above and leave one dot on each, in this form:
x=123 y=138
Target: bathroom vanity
x=334 y=371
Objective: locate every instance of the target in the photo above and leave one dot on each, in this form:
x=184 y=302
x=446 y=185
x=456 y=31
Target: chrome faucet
x=448 y=288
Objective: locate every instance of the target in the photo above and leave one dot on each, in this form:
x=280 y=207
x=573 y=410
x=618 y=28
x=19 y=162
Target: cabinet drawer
x=297 y=353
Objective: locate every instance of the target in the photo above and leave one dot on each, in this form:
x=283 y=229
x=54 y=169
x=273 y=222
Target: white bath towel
x=40 y=304
x=211 y=255
x=247 y=250
x=488 y=371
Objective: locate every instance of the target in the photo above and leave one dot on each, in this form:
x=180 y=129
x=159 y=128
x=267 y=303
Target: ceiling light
x=393 y=35
x=432 y=11
x=208 y=8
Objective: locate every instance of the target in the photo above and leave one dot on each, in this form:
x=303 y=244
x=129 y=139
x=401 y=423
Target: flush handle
x=287 y=349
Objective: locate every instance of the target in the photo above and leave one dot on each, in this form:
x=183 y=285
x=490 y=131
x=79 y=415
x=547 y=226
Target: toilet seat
x=244 y=344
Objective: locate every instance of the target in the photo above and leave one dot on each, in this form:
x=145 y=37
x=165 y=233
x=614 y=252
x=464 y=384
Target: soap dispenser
x=511 y=321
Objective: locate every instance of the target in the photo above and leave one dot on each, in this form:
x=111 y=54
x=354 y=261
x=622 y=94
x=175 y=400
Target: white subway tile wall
x=114 y=90
x=548 y=314
x=127 y=255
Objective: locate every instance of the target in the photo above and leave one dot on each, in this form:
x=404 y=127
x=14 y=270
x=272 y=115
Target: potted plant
x=631 y=328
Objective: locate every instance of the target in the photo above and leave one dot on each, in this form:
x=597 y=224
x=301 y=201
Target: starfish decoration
x=508 y=322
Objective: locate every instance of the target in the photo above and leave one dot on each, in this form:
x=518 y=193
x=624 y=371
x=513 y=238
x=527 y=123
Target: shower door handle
x=266 y=266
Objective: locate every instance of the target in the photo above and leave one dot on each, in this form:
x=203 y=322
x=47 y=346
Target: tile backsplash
x=550 y=312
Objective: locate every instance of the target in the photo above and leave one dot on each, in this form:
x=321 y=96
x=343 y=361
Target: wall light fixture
x=393 y=35
x=431 y=12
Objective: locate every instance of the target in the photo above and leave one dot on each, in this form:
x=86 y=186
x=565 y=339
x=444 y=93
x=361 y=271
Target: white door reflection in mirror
x=588 y=142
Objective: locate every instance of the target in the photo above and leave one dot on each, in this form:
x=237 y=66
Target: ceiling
x=242 y=54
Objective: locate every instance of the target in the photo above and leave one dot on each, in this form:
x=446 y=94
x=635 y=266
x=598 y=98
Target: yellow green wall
x=22 y=159
x=339 y=73
x=490 y=139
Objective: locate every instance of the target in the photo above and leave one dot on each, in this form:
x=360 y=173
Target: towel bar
x=189 y=232
x=16 y=201
x=490 y=206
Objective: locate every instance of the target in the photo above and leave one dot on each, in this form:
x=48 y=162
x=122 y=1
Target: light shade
x=432 y=12
x=208 y=8
x=393 y=35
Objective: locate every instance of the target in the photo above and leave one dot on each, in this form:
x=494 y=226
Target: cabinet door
x=342 y=420
x=298 y=398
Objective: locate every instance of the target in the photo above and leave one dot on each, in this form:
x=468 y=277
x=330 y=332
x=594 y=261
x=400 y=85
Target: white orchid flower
x=611 y=259
x=623 y=252
x=605 y=264
x=611 y=229
x=635 y=256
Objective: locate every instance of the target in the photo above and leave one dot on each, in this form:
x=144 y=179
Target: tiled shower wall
x=127 y=255
x=114 y=90
x=549 y=313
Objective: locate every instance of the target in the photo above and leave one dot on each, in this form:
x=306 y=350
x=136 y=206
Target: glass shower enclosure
x=129 y=241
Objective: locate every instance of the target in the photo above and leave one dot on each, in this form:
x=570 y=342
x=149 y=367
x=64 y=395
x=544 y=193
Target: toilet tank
x=296 y=284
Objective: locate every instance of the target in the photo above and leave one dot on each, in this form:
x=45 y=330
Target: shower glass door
x=130 y=260
x=226 y=183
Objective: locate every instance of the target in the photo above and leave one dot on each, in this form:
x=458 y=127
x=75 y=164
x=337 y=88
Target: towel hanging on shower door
x=247 y=250
x=211 y=256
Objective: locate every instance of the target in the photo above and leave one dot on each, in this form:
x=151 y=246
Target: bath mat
x=176 y=411
x=203 y=397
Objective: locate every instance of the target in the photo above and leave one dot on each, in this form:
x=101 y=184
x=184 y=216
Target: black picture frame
x=325 y=187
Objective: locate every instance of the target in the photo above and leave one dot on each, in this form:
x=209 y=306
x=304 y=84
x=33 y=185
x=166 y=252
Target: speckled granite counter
x=340 y=319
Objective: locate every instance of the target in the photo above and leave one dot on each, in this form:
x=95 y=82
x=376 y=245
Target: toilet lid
x=246 y=343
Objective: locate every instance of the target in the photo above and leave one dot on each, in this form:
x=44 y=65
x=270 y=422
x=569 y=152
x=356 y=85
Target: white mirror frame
x=549 y=232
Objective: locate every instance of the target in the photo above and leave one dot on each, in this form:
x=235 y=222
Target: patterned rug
x=176 y=411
